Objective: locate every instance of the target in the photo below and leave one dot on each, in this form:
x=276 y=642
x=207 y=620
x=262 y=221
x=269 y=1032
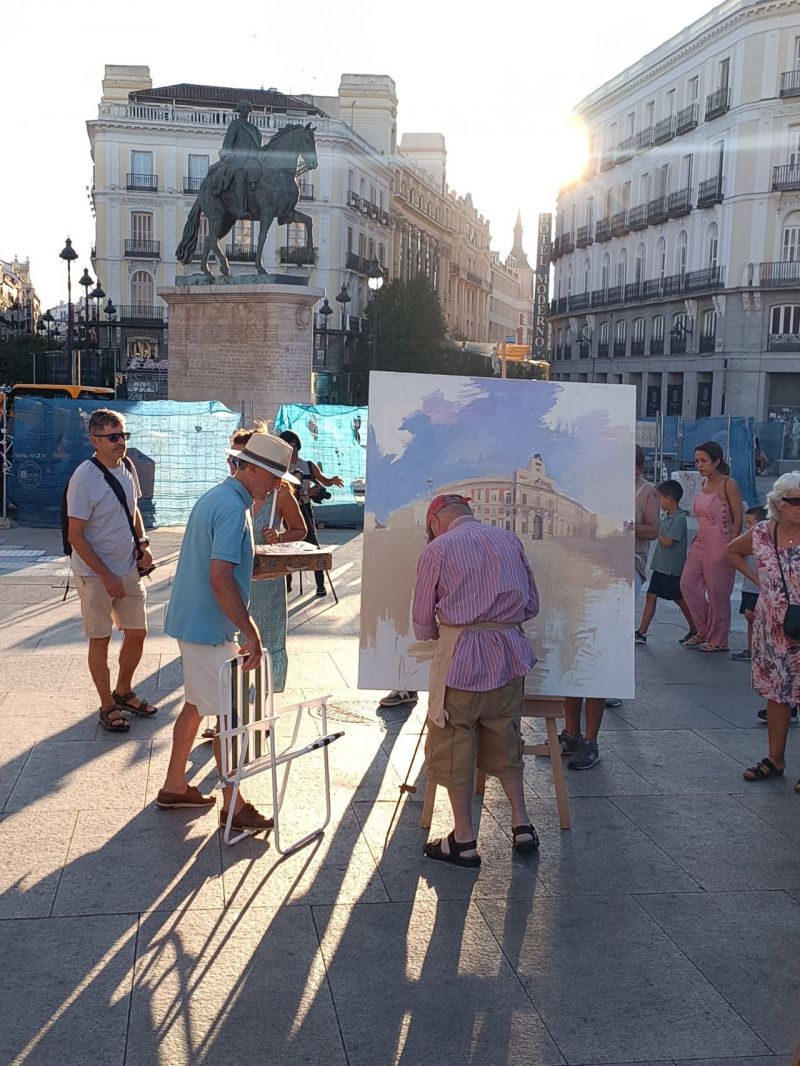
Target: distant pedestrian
x=668 y=559
x=708 y=575
x=775 y=546
x=105 y=565
x=747 y=603
x=474 y=590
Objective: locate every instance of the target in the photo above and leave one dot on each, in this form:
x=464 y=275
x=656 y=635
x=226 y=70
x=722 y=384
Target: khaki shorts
x=482 y=730
x=201 y=666
x=99 y=610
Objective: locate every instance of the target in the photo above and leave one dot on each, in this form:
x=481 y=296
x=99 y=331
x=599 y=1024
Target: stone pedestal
x=248 y=345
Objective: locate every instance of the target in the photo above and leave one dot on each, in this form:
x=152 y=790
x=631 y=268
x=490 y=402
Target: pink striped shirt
x=476 y=573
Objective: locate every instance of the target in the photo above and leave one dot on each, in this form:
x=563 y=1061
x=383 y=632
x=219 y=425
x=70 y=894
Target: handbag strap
x=780 y=568
x=119 y=492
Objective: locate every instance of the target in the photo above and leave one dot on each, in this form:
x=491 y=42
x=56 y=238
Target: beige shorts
x=482 y=730
x=201 y=666
x=99 y=610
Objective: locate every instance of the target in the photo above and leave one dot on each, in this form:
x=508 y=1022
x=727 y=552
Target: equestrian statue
x=250 y=181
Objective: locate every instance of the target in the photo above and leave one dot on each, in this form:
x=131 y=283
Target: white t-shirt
x=91 y=498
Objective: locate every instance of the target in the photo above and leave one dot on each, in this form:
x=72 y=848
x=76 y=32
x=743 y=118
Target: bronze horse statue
x=272 y=192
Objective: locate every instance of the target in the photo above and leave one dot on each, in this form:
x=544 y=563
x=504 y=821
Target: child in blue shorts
x=668 y=559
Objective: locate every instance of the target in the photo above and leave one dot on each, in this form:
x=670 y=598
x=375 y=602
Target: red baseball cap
x=438 y=502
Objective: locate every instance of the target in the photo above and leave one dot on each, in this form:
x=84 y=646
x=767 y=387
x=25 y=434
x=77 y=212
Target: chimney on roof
x=120 y=81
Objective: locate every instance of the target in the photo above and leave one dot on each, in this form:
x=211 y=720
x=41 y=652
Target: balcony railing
x=625 y=150
x=672 y=284
x=637 y=217
x=583 y=237
x=717 y=103
x=306 y=190
x=137 y=249
x=656 y=345
x=578 y=302
x=786 y=176
x=664 y=130
x=614 y=295
x=602 y=231
x=561 y=305
x=644 y=138
x=584 y=349
x=619 y=224
x=702 y=280
x=142 y=183
x=679 y=203
x=299 y=255
x=637 y=347
x=240 y=253
x=686 y=119
x=790 y=83
x=784 y=342
x=384 y=219
x=780 y=275
x=677 y=345
x=360 y=265
x=620 y=348
x=353 y=199
x=599 y=297
x=607 y=159
x=709 y=192
x=141 y=313
x=602 y=350
x=657 y=211
x=567 y=244
x=708 y=342
x=633 y=291
x=192 y=185
x=651 y=289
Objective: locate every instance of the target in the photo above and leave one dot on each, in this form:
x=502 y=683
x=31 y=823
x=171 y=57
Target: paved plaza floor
x=664 y=927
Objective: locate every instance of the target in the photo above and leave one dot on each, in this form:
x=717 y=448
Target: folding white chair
x=249 y=743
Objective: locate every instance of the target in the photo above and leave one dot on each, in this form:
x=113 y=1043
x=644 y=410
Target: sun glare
x=569 y=151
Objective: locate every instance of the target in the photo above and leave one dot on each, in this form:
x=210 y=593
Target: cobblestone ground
x=664 y=927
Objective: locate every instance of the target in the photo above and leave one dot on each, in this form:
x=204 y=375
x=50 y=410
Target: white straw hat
x=270 y=453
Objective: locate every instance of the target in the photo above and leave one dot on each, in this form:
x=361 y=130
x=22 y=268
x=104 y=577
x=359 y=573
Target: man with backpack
x=109 y=552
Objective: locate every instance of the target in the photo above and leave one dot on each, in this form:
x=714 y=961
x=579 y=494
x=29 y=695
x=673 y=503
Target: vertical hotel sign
x=541 y=289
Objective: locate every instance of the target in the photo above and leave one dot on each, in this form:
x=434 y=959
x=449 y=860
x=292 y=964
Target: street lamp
x=343 y=299
x=97 y=294
x=69 y=255
x=326 y=311
x=375 y=282
x=48 y=320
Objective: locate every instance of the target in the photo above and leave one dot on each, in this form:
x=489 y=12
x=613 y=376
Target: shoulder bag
x=119 y=492
x=791 y=620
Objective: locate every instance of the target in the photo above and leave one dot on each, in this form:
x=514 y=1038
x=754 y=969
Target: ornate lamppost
x=69 y=255
x=375 y=282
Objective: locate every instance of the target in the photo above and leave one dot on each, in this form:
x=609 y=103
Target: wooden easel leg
x=562 y=801
x=428 y=805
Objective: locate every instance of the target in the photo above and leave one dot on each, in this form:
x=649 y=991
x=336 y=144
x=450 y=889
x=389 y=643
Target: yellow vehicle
x=54 y=392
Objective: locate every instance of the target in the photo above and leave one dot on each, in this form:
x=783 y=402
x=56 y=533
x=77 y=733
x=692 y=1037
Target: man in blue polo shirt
x=209 y=606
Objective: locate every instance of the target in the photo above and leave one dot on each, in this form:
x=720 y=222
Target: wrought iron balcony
x=686 y=119
x=656 y=345
x=191 y=185
x=607 y=159
x=567 y=354
x=579 y=302
x=555 y=250
x=644 y=138
x=142 y=183
x=703 y=280
x=602 y=350
x=625 y=150
x=637 y=217
x=353 y=199
x=614 y=295
x=664 y=130
x=786 y=176
x=710 y=192
x=657 y=211
x=299 y=255
x=633 y=292
x=583 y=237
x=561 y=305
x=780 y=275
x=306 y=190
x=136 y=249
x=679 y=203
x=146 y=313
x=637 y=347
x=672 y=285
x=651 y=289
x=790 y=83
x=598 y=298
x=360 y=265
x=620 y=348
x=708 y=342
x=717 y=103
x=619 y=224
x=384 y=219
x=567 y=244
x=784 y=342
x=677 y=345
x=602 y=231
x=240 y=253
x=584 y=349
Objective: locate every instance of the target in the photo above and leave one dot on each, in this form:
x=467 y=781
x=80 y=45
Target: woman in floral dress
x=775 y=546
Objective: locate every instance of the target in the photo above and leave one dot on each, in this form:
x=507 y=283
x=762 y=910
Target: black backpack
x=63 y=514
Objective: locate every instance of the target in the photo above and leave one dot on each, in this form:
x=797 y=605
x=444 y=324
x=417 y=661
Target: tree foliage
x=16 y=358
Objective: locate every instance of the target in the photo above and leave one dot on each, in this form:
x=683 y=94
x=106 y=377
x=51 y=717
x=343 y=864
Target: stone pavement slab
x=33 y=851
x=675 y=761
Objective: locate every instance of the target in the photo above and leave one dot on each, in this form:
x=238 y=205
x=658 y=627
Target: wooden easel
x=550 y=708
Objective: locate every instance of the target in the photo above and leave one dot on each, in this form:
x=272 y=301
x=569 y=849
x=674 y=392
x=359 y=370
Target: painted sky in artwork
x=457 y=425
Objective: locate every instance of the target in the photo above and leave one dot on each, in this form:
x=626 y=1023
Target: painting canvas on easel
x=551 y=461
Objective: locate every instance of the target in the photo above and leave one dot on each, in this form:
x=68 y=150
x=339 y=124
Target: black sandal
x=144 y=709
x=455 y=856
x=525 y=831
x=763 y=769
x=113 y=721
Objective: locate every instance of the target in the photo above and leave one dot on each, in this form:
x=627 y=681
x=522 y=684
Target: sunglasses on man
x=115 y=438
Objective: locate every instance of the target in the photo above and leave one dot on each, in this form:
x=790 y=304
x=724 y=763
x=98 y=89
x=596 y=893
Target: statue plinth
x=248 y=345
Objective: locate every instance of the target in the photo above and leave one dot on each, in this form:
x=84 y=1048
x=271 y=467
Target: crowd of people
x=482 y=654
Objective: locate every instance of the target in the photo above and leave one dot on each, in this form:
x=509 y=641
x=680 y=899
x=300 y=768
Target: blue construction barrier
x=334 y=437
x=178 y=450
x=739 y=449
x=771 y=436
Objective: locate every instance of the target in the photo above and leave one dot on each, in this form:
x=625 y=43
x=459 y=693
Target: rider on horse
x=240 y=147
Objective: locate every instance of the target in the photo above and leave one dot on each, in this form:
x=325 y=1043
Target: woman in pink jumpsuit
x=707 y=579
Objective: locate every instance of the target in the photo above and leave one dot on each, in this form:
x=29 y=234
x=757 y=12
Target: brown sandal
x=113 y=721
x=142 y=708
x=763 y=769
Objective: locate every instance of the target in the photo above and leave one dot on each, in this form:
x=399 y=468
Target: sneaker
x=613 y=704
x=398 y=698
x=762 y=715
x=639 y=638
x=321 y=592
x=568 y=742
x=742 y=656
x=688 y=636
x=586 y=757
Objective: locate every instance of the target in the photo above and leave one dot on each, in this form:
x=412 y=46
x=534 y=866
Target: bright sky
x=500 y=88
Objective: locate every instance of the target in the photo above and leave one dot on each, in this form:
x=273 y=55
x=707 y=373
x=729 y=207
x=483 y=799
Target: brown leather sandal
x=142 y=707
x=113 y=721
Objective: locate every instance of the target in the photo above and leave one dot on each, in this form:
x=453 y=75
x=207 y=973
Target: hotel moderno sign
x=541 y=289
